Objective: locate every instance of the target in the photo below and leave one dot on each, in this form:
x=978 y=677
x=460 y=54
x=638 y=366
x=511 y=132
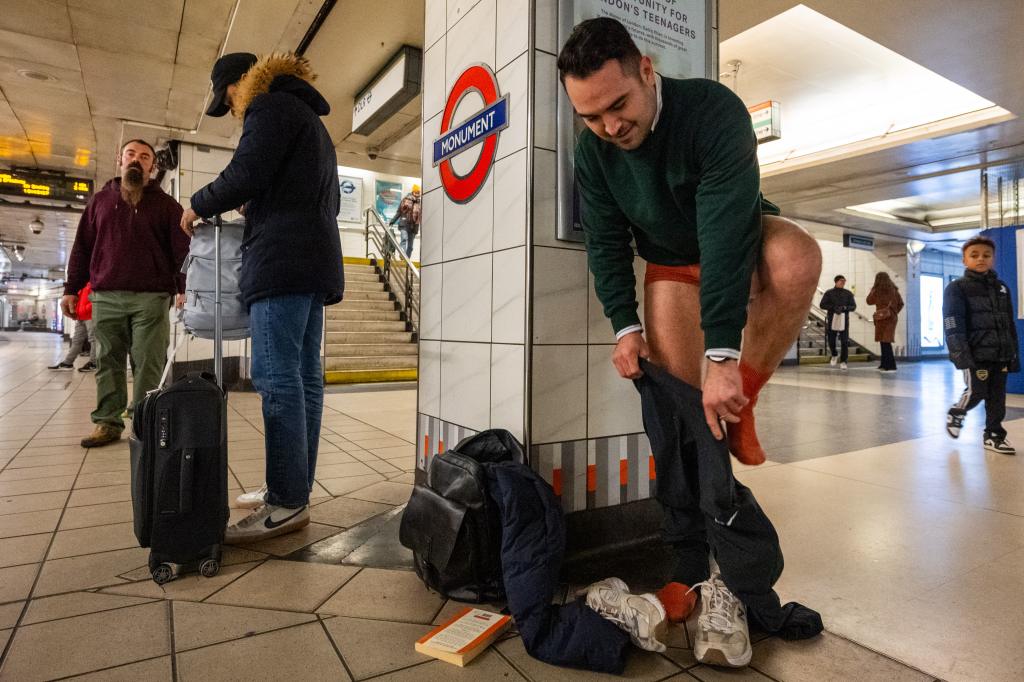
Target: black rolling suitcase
x=179 y=466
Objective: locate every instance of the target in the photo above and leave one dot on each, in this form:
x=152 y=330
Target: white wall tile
x=184 y=184
x=613 y=403
x=470 y=41
x=559 y=296
x=545 y=85
x=507 y=388
x=513 y=80
x=468 y=227
x=432 y=227
x=435 y=21
x=545 y=208
x=508 y=316
x=430 y=302
x=430 y=378
x=431 y=130
x=457 y=9
x=185 y=156
x=434 y=91
x=513 y=30
x=546 y=21
x=559 y=401
x=510 y=201
x=466 y=384
x=212 y=161
x=466 y=299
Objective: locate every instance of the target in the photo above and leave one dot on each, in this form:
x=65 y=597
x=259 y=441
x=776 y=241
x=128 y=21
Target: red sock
x=677 y=600
x=743 y=443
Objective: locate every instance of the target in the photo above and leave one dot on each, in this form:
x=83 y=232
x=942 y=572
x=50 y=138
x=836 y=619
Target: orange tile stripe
x=623 y=472
x=556 y=481
x=591 y=478
x=652 y=474
x=426 y=447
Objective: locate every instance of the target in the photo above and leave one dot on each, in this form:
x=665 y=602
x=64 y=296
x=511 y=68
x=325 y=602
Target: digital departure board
x=30 y=184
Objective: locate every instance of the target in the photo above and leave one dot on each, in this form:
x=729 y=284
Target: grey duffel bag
x=198 y=313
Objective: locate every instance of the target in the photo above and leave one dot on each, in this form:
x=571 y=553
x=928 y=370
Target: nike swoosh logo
x=270 y=523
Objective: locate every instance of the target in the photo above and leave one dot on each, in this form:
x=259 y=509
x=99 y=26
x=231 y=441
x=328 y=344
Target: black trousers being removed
x=987 y=383
x=705 y=508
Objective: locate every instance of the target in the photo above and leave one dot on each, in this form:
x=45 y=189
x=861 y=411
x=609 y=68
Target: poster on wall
x=388 y=195
x=680 y=37
x=351 y=204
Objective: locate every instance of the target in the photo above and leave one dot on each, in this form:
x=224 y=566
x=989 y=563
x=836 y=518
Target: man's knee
x=791 y=258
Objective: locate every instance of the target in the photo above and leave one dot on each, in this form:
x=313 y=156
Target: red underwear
x=689 y=274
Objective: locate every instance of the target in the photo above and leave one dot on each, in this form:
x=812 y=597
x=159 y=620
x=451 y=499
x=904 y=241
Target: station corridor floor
x=910 y=544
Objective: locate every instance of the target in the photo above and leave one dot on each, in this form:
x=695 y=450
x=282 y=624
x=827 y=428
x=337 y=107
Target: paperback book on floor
x=464 y=637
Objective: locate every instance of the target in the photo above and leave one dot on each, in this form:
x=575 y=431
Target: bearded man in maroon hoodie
x=130 y=247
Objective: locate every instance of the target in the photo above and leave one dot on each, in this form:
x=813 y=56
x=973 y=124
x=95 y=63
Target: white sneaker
x=641 y=615
x=842 y=365
x=1000 y=445
x=252 y=499
x=722 y=634
x=954 y=422
x=834 y=360
x=268 y=521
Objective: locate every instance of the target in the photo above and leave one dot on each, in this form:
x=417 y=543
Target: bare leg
x=672 y=327
x=787 y=278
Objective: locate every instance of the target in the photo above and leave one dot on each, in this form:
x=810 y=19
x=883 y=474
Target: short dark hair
x=837 y=278
x=140 y=141
x=592 y=43
x=978 y=241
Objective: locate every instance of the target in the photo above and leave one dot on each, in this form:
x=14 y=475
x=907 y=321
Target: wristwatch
x=719 y=358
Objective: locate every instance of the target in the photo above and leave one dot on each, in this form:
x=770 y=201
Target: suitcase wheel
x=209 y=568
x=164 y=573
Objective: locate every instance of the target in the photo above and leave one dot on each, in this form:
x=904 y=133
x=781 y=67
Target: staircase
x=813 y=347
x=366 y=339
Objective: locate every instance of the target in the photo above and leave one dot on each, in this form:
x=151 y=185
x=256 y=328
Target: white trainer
x=268 y=521
x=834 y=360
x=722 y=634
x=641 y=615
x=842 y=365
x=252 y=499
x=1000 y=445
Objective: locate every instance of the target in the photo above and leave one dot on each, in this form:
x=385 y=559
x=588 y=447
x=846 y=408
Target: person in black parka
x=285 y=172
x=838 y=303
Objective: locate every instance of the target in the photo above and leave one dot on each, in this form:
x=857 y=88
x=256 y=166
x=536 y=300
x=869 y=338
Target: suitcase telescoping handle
x=188 y=457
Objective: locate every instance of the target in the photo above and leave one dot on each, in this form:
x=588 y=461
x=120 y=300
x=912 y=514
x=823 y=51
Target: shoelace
x=721 y=604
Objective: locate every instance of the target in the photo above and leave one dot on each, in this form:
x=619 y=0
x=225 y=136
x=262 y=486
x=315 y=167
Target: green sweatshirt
x=690 y=193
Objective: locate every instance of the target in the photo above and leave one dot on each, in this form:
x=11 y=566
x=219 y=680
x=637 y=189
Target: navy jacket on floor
x=532 y=545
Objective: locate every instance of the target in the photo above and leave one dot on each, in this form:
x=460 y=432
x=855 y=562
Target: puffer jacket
x=286 y=172
x=980 y=322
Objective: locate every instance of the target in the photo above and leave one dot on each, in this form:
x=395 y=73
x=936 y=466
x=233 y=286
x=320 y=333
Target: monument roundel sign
x=480 y=129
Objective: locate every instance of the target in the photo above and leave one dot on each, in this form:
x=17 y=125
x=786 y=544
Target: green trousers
x=128 y=322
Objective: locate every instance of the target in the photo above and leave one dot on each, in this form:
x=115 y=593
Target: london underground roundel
x=480 y=129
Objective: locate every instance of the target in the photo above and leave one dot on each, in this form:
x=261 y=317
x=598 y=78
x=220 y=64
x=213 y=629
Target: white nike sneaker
x=252 y=499
x=1000 y=445
x=722 y=634
x=268 y=521
x=641 y=615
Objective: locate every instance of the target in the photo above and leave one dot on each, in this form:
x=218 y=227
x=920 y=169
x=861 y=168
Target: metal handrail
x=401 y=276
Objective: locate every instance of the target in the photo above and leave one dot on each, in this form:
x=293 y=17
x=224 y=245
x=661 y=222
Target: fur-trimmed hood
x=279 y=71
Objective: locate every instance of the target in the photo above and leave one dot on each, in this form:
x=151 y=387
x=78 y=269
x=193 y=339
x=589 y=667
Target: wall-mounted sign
x=351 y=199
x=856 y=241
x=481 y=128
x=28 y=183
x=390 y=90
x=767 y=120
x=387 y=198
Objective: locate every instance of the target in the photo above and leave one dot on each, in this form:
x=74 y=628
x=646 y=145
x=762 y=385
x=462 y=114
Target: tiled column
x=512 y=335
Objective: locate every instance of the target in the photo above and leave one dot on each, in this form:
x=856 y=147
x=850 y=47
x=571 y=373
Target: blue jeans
x=407 y=239
x=286 y=332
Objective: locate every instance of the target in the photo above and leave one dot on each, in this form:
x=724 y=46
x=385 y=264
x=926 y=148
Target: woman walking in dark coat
x=888 y=303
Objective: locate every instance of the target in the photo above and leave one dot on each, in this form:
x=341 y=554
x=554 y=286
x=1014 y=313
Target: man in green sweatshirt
x=672 y=164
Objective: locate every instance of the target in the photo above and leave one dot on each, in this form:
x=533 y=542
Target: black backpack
x=451 y=524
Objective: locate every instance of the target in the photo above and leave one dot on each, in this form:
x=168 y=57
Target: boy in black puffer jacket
x=981 y=334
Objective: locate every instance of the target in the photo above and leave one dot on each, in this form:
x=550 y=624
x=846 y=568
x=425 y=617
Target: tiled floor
x=910 y=545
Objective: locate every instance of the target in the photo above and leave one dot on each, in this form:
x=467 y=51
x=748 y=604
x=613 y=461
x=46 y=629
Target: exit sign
x=767 y=120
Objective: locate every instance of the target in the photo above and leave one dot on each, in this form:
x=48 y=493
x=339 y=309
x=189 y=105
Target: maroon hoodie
x=119 y=247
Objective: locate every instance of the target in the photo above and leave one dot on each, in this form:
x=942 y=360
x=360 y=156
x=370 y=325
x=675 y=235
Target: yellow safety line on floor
x=365 y=376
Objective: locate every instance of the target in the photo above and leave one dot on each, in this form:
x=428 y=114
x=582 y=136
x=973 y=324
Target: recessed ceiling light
x=34 y=75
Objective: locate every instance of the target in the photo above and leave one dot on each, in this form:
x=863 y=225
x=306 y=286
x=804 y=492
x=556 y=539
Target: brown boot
x=103 y=434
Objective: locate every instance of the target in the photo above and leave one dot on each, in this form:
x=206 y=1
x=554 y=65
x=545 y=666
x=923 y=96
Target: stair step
x=362 y=277
x=357 y=285
x=371 y=362
x=379 y=295
x=365 y=376
x=366 y=325
x=348 y=315
x=363 y=304
x=824 y=359
x=346 y=350
x=368 y=337
x=356 y=267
